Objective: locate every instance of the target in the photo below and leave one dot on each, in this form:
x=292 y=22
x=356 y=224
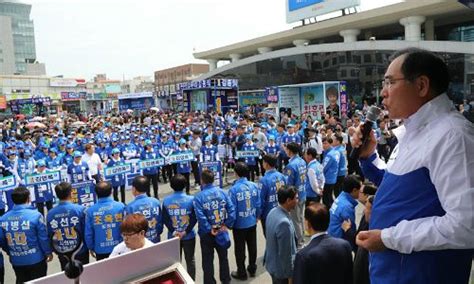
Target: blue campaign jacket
x=252 y=161
x=213 y=207
x=26 y=167
x=331 y=165
x=342 y=170
x=43 y=191
x=208 y=154
x=184 y=167
x=54 y=163
x=342 y=209
x=273 y=150
x=245 y=196
x=150 y=208
x=67 y=159
x=78 y=173
x=269 y=184
x=25 y=235
x=117 y=180
x=296 y=175
x=68 y=219
x=149 y=155
x=318 y=170
x=103 y=221
x=179 y=215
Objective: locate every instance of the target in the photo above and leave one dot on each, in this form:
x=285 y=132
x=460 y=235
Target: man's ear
x=423 y=85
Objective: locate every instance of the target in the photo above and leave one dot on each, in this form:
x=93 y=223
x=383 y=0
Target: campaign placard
x=83 y=193
x=46 y=177
x=7 y=183
x=117 y=170
x=247 y=154
x=151 y=163
x=216 y=167
x=180 y=157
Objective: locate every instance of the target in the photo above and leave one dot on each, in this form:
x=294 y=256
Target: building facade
x=168 y=80
x=354 y=48
x=17 y=37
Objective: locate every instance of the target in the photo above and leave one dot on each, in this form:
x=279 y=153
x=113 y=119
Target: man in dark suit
x=325 y=259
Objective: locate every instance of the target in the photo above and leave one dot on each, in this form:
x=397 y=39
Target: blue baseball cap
x=208 y=138
x=77 y=154
x=248 y=136
x=41 y=163
x=271 y=137
x=147 y=142
x=115 y=151
x=70 y=146
x=182 y=141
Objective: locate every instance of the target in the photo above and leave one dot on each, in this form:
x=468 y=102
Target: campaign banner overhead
x=297 y=10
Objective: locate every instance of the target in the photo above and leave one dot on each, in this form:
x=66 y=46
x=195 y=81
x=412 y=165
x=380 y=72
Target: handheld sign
x=216 y=167
x=145 y=164
x=247 y=154
x=117 y=170
x=83 y=193
x=46 y=177
x=7 y=184
x=181 y=157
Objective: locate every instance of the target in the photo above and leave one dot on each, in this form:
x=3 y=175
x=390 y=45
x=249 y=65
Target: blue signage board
x=298 y=4
x=83 y=193
x=216 y=168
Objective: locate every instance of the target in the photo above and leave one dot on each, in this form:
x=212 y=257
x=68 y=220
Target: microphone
x=371 y=118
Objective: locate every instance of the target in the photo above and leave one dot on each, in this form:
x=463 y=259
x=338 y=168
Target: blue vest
x=150 y=208
x=117 y=180
x=251 y=161
x=178 y=214
x=269 y=184
x=318 y=169
x=413 y=196
x=24 y=233
x=342 y=169
x=103 y=221
x=246 y=199
x=184 y=167
x=149 y=155
x=78 y=173
x=209 y=153
x=273 y=150
x=296 y=175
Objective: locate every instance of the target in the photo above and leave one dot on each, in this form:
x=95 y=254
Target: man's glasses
x=389 y=82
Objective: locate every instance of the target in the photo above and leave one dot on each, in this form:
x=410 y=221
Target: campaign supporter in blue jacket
x=149 y=154
x=53 y=161
x=25 y=238
x=296 y=176
x=314 y=176
x=44 y=191
x=183 y=167
x=115 y=160
x=213 y=207
x=269 y=184
x=179 y=215
x=331 y=165
x=26 y=166
x=103 y=221
x=343 y=208
x=148 y=206
x=342 y=164
x=245 y=196
x=78 y=171
x=67 y=221
x=209 y=152
x=250 y=146
x=272 y=147
x=68 y=157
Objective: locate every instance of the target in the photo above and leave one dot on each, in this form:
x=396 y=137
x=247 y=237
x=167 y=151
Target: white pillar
x=300 y=42
x=350 y=35
x=212 y=64
x=235 y=57
x=263 y=50
x=412 y=27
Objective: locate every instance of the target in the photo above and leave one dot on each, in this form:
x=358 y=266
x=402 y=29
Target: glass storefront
x=362 y=70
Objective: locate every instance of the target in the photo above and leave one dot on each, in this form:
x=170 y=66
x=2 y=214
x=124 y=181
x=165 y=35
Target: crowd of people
x=302 y=186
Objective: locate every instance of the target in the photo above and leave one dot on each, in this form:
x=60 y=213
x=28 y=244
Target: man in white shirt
x=421 y=227
x=93 y=161
x=133 y=229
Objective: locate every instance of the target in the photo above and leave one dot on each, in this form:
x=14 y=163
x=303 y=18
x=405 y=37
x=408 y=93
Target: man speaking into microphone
x=422 y=222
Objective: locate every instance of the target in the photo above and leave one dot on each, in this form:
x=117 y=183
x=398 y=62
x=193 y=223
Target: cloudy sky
x=128 y=38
